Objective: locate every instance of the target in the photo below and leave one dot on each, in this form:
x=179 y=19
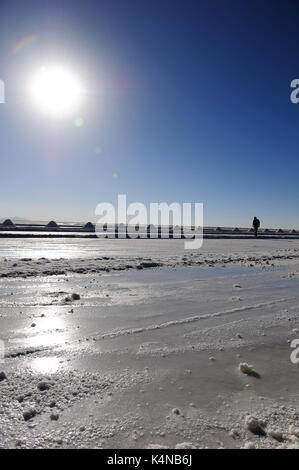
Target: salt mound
x=294 y=231
x=152 y=228
x=279 y=230
x=89 y=226
x=8 y=223
x=236 y=229
x=52 y=224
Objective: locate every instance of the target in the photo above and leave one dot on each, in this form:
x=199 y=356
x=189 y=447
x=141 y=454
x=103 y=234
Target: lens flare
x=23 y=43
x=79 y=122
x=56 y=91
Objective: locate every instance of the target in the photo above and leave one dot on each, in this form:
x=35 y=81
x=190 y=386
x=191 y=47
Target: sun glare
x=56 y=91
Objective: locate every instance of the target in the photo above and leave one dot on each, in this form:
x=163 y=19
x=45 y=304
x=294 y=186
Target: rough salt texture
x=150 y=357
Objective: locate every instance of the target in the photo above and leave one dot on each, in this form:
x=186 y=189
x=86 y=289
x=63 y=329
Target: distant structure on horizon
x=89 y=226
x=52 y=224
x=15 y=228
x=8 y=223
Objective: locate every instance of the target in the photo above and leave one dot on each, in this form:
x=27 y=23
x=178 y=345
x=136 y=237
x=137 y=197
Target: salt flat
x=149 y=354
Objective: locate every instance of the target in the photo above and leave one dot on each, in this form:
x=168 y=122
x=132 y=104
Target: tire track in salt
x=193 y=319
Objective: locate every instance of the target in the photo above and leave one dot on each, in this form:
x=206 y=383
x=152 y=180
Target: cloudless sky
x=187 y=101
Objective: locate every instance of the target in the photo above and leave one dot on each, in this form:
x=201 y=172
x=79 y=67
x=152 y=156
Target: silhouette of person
x=255 y=224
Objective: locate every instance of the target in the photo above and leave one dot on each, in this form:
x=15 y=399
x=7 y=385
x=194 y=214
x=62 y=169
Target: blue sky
x=186 y=101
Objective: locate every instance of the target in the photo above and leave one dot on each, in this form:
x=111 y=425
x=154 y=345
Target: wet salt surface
x=109 y=305
x=191 y=273
x=137 y=345
x=90 y=248
x=80 y=248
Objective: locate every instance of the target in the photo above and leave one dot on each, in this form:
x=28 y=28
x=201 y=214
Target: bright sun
x=56 y=91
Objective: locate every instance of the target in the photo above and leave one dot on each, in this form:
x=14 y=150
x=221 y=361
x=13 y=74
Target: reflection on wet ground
x=137 y=345
x=45 y=365
x=33 y=248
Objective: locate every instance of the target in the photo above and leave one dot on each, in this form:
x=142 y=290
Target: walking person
x=256 y=224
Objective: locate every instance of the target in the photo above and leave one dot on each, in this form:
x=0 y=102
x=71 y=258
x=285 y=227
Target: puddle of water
x=187 y=273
